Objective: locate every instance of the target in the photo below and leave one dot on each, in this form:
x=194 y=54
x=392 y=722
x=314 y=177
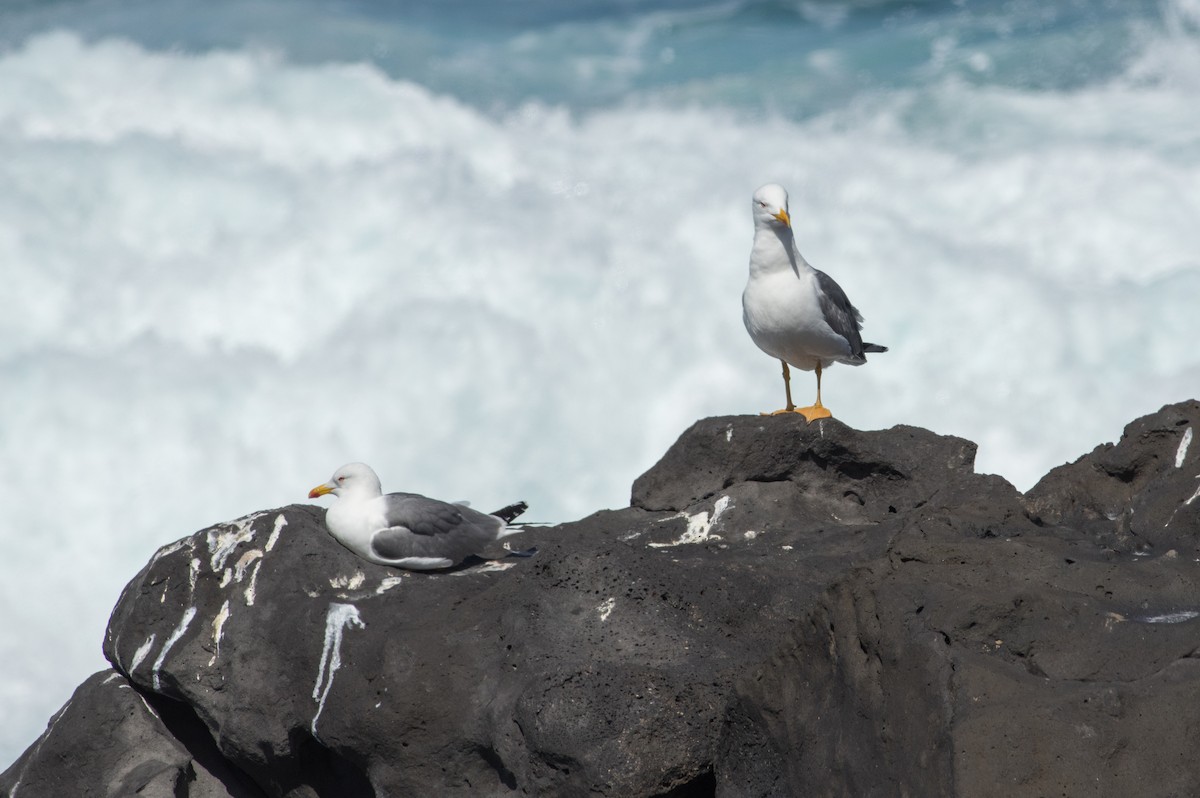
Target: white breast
x=353 y=522
x=783 y=315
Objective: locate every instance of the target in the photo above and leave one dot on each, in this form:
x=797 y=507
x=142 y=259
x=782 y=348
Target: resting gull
x=792 y=311
x=407 y=530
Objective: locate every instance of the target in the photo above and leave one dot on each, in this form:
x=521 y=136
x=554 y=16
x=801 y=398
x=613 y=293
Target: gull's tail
x=874 y=348
x=509 y=513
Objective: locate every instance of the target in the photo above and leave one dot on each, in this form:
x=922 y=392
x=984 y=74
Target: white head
x=354 y=479
x=770 y=207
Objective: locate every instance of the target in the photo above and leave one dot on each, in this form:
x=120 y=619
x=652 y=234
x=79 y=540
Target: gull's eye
x=341 y=479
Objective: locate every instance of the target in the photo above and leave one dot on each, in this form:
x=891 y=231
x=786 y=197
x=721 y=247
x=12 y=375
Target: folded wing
x=421 y=527
x=842 y=317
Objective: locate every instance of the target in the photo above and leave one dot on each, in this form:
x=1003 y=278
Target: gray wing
x=422 y=515
x=840 y=315
x=422 y=527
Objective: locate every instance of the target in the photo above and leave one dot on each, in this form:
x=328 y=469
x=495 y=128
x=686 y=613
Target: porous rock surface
x=784 y=609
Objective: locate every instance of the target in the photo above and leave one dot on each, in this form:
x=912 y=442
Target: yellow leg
x=787 y=389
x=818 y=410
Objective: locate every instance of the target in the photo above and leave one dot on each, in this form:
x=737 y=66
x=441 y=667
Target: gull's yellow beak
x=319 y=490
x=783 y=217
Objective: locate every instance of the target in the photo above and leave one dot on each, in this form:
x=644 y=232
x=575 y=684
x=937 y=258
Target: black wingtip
x=510 y=512
x=874 y=348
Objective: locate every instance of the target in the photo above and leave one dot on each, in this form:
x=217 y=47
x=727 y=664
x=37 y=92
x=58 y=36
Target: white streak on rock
x=786 y=548
x=163 y=598
x=1194 y=496
x=1181 y=452
x=248 y=595
x=171 y=641
x=729 y=433
x=280 y=523
x=218 y=626
x=141 y=653
x=751 y=534
x=1171 y=617
x=193 y=572
x=227 y=577
x=386 y=584
x=605 y=609
x=699 y=526
x=239 y=570
x=337 y=619
x=223 y=539
x=493 y=565
x=111 y=676
x=146 y=703
x=721 y=506
x=348 y=582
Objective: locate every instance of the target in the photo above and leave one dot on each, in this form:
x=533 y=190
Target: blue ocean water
x=497 y=249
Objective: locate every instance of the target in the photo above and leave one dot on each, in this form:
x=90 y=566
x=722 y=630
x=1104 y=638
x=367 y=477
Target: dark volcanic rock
x=111 y=740
x=987 y=655
x=830 y=467
x=786 y=609
x=1136 y=495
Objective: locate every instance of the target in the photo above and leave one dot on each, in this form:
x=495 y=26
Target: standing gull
x=792 y=311
x=407 y=530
